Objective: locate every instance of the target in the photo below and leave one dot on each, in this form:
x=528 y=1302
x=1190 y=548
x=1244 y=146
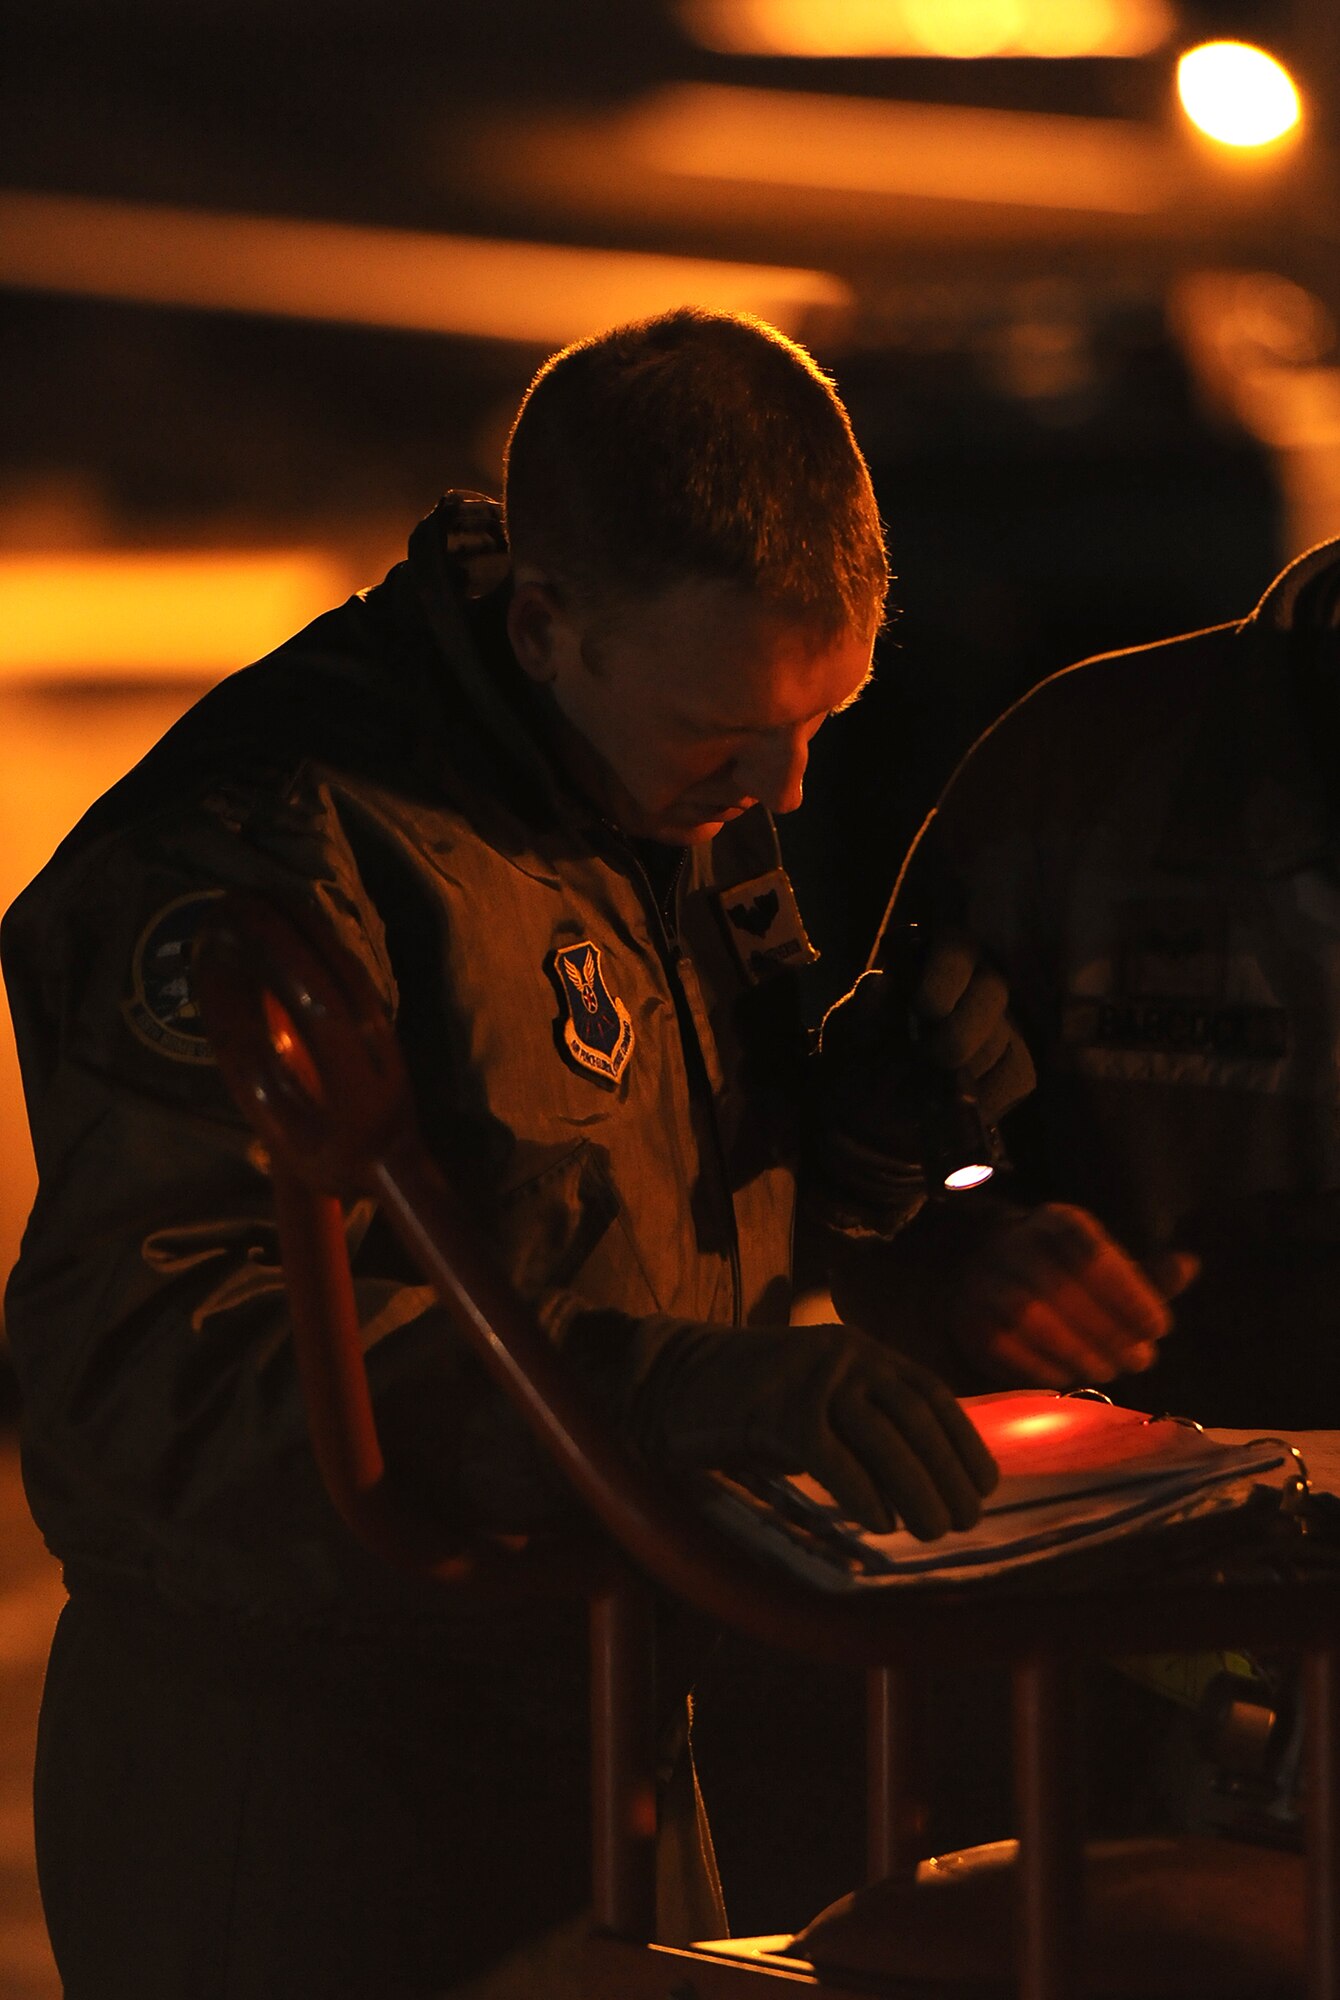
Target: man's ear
x=538 y=628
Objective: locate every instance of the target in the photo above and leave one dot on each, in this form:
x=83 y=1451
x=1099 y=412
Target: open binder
x=1076 y=1471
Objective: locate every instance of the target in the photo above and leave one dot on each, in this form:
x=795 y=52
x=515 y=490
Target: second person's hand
x=1048 y=1298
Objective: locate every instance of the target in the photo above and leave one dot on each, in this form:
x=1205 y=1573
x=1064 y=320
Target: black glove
x=888 y=1055
x=882 y=1433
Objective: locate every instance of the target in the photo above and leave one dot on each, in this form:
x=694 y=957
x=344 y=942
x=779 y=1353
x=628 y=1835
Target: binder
x=1077 y=1471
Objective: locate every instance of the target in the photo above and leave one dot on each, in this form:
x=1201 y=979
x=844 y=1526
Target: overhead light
x=1237 y=94
x=160 y=614
x=941 y=152
x=963 y=28
x=543 y=294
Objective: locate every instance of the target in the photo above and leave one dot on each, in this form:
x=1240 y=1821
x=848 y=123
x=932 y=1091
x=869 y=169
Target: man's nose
x=774 y=773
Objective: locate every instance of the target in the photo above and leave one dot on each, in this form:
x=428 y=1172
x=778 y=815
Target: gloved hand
x=886 y=1055
x=882 y=1433
x=1047 y=1298
x=962 y=1004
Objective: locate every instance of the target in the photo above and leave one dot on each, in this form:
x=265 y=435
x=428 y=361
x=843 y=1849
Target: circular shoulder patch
x=160 y=1010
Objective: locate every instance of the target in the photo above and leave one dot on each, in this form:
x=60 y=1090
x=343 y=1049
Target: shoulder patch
x=597 y=1027
x=159 y=1010
x=765 y=925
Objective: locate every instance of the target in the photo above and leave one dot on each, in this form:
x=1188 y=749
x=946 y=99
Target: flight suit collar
x=1251 y=799
x=458 y=572
x=458 y=557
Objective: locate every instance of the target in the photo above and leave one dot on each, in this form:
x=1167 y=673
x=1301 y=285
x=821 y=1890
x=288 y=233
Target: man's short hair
x=697 y=445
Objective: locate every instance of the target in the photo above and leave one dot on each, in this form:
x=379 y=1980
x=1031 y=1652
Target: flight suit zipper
x=681 y=973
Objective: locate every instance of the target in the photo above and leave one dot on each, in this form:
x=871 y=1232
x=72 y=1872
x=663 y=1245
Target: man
x=533 y=795
x=1146 y=845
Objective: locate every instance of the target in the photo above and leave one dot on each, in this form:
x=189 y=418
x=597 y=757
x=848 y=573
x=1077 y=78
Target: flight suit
x=605 y=1053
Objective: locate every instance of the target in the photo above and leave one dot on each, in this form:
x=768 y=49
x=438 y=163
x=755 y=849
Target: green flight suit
x=605 y=1065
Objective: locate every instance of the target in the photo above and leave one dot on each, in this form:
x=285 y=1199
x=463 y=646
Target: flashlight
x=959 y=1149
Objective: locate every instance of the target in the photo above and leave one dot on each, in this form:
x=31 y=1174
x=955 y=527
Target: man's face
x=689 y=707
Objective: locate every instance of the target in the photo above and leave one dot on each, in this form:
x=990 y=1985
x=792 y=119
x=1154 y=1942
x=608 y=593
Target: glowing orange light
x=965 y=28
x=938 y=152
x=1237 y=94
x=540 y=293
x=1061 y=28
x=968 y=1177
x=1036 y=1434
x=162 y=613
x=1040 y=1423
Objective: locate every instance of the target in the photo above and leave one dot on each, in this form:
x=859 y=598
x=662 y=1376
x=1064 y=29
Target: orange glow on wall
x=60 y=747
x=144 y=615
x=1265 y=348
x=939 y=151
x=962 y=28
x=541 y=293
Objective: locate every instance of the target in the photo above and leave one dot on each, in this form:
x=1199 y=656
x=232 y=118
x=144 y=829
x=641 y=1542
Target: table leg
x=895 y=1805
x=623 y=1762
x=1321 y=1695
x=1051 y=1832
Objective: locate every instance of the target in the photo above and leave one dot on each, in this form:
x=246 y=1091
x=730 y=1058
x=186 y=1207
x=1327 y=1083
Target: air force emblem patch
x=160 y=1009
x=597 y=1027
